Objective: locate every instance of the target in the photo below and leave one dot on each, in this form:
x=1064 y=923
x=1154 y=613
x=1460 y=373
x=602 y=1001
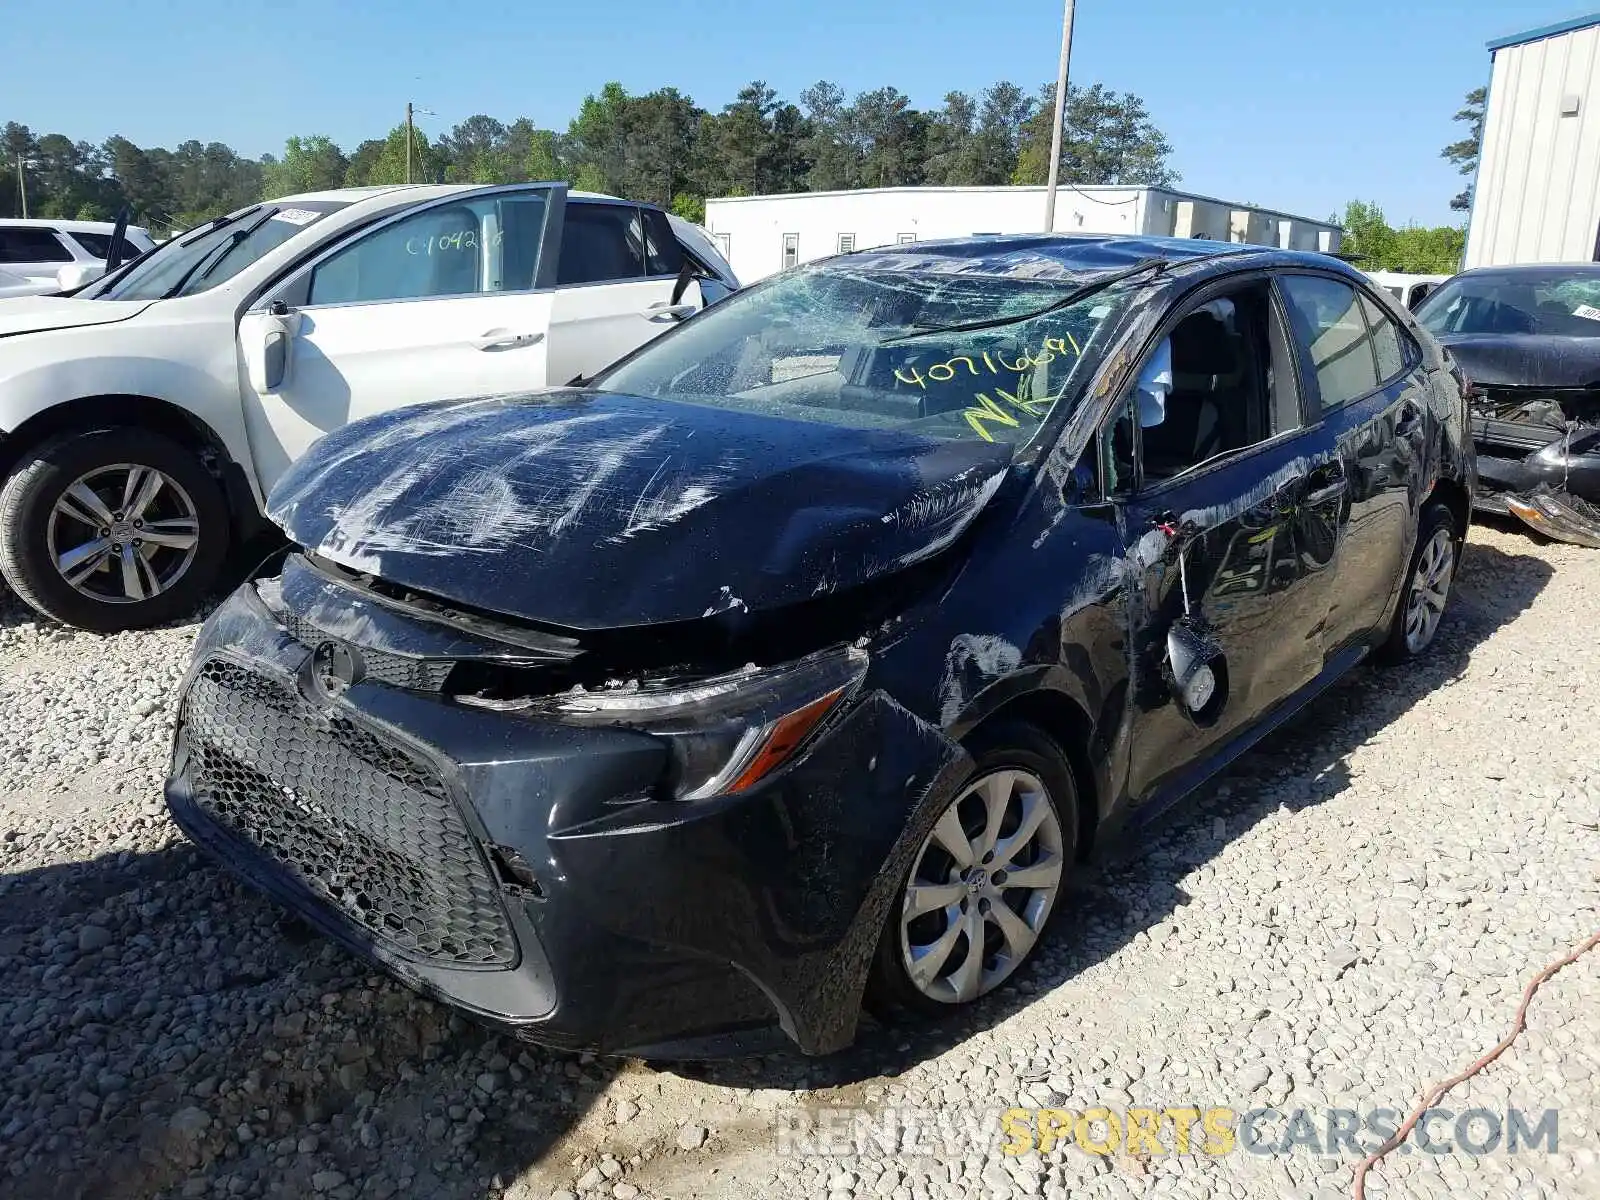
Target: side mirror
x=265 y=341
x=74 y=275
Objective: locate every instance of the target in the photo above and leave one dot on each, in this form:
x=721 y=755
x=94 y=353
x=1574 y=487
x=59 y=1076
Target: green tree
x=890 y=138
x=1106 y=137
x=477 y=151
x=381 y=162
x=952 y=148
x=1465 y=152
x=658 y=145
x=1003 y=112
x=745 y=137
x=599 y=139
x=690 y=208
x=1415 y=249
x=833 y=161
x=308 y=164
x=1368 y=240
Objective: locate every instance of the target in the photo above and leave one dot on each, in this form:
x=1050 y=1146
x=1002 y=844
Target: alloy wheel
x=981 y=887
x=123 y=533
x=1430 y=588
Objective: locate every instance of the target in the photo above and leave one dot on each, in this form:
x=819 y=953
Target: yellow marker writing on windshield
x=987 y=410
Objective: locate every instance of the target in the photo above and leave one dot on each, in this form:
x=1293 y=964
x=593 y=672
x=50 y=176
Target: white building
x=760 y=235
x=1536 y=197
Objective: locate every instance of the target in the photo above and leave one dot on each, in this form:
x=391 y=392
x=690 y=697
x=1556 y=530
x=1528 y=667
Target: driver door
x=1233 y=525
x=439 y=303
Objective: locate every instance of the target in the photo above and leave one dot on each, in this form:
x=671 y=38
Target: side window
x=1215 y=384
x=489 y=244
x=98 y=245
x=601 y=243
x=1118 y=464
x=662 y=254
x=29 y=245
x=1386 y=343
x=1328 y=324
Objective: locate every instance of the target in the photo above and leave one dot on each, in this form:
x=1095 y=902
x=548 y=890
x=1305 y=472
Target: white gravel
x=1349 y=916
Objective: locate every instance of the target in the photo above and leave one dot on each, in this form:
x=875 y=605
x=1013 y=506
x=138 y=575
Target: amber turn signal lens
x=784 y=739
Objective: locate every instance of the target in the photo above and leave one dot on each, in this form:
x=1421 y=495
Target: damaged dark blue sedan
x=795 y=660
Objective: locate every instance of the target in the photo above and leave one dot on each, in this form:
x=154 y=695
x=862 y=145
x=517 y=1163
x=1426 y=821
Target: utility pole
x=1055 y=133
x=22 y=186
x=408 y=141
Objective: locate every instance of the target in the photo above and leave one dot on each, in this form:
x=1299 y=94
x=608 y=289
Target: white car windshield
x=203 y=258
x=886 y=349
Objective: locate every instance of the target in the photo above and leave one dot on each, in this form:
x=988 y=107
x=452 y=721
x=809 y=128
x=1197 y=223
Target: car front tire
x=975 y=903
x=115 y=529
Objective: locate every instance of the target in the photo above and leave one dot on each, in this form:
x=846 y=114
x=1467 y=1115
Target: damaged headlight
x=730 y=731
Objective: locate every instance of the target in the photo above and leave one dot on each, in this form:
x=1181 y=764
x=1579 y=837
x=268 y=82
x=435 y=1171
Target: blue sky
x=1295 y=106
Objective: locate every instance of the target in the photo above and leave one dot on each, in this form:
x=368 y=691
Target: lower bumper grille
x=362 y=823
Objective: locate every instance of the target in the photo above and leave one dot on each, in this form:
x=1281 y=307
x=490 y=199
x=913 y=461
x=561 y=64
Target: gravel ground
x=1347 y=917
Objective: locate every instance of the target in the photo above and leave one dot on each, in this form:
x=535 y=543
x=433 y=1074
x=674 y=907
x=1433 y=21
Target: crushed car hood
x=1527 y=360
x=35 y=314
x=597 y=511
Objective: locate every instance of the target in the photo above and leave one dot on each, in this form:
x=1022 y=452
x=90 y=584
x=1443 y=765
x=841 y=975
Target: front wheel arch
x=86 y=414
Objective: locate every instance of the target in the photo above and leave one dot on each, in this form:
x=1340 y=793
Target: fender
x=42 y=371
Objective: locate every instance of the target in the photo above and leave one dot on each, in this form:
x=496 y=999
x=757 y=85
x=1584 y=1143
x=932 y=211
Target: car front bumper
x=524 y=870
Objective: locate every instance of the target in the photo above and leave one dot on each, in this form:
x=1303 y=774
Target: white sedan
x=144 y=418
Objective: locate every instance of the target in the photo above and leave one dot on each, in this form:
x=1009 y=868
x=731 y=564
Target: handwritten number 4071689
x=994 y=361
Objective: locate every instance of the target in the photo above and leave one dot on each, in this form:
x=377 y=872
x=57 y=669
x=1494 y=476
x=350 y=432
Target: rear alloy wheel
x=985 y=880
x=112 y=530
x=1427 y=586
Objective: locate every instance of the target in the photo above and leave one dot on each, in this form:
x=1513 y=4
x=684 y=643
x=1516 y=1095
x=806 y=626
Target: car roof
x=1518 y=270
x=430 y=191
x=1056 y=256
x=68 y=226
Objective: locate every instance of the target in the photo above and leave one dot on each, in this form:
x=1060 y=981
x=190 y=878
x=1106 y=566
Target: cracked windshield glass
x=887 y=349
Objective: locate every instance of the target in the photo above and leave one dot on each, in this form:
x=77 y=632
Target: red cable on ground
x=1433 y=1095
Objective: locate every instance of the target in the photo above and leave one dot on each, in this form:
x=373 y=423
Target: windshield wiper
x=210 y=261
x=1077 y=294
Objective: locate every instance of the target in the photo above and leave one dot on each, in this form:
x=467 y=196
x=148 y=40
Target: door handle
x=663 y=311
x=504 y=339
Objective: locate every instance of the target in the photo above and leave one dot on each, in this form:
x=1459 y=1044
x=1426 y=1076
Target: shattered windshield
x=877 y=350
x=1546 y=302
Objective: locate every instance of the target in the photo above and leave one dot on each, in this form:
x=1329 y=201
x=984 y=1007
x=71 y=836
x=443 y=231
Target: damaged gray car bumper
x=524 y=870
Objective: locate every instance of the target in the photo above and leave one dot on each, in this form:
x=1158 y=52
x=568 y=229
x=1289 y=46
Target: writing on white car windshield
x=203 y=258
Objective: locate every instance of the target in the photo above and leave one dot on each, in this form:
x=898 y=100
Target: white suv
x=144 y=418
x=37 y=251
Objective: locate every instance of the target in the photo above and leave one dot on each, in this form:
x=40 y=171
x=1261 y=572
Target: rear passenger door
x=1363 y=374
x=614 y=286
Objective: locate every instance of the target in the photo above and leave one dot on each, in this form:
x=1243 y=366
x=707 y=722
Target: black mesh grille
x=362 y=823
x=415 y=674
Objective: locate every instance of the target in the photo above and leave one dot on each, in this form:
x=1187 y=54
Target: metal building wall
x=1537 y=193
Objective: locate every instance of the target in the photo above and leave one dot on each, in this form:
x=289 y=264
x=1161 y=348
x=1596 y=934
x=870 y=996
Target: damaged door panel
x=1225 y=554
